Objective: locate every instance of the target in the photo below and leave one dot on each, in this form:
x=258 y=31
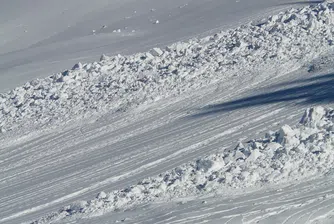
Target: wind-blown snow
x=289 y=154
x=119 y=82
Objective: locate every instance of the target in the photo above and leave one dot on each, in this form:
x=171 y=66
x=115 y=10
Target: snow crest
x=119 y=82
x=291 y=153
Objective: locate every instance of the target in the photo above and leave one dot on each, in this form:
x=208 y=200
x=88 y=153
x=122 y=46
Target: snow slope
x=117 y=83
x=42 y=37
x=47 y=170
x=287 y=155
x=120 y=150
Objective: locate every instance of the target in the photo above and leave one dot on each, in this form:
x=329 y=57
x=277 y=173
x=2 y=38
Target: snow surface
x=289 y=154
x=42 y=37
x=117 y=83
x=129 y=125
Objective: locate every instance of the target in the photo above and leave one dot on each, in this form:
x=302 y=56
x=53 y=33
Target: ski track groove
x=131 y=157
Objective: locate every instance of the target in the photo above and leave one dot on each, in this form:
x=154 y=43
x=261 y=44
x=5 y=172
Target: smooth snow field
x=196 y=112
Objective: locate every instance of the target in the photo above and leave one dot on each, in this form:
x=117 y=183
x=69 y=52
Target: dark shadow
x=318 y=78
x=313 y=90
x=302 y=3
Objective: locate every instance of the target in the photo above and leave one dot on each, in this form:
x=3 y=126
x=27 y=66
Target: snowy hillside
x=219 y=128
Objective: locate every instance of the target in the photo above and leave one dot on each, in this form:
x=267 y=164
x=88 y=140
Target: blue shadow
x=311 y=91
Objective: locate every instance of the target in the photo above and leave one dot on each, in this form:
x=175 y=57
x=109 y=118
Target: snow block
x=286 y=137
x=77 y=66
x=101 y=195
x=156 y=52
x=254 y=155
x=149 y=56
x=313 y=116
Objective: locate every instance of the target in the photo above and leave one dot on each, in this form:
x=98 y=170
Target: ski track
x=40 y=174
x=112 y=153
x=297 y=203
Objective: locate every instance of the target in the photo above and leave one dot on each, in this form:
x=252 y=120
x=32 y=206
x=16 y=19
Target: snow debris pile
x=292 y=153
x=116 y=83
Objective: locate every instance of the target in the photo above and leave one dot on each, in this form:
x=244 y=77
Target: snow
x=163 y=135
x=120 y=82
x=290 y=154
x=51 y=170
x=39 y=38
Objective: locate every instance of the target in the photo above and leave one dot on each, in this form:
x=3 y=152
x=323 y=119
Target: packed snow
x=119 y=82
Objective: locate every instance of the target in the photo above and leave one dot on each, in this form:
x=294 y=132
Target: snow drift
x=287 y=40
x=289 y=154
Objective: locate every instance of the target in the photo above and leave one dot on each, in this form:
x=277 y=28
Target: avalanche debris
x=273 y=159
x=119 y=82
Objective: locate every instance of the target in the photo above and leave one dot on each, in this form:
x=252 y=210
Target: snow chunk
x=156 y=52
x=286 y=136
x=254 y=155
x=313 y=116
x=149 y=56
x=77 y=66
x=101 y=195
x=209 y=165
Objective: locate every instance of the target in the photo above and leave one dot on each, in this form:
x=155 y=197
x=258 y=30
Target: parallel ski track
x=53 y=170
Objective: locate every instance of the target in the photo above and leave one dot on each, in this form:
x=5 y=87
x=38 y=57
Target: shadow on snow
x=309 y=91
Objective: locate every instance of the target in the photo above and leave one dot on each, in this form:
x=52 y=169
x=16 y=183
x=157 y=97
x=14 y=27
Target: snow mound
x=119 y=82
x=291 y=153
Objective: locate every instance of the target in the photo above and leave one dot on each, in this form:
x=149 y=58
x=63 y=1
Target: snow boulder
x=313 y=117
x=75 y=207
x=255 y=154
x=101 y=195
x=287 y=137
x=209 y=164
x=157 y=52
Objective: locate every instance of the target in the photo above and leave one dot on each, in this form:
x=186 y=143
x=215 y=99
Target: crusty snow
x=234 y=127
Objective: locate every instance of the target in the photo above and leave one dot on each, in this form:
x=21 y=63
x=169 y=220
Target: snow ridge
x=119 y=82
x=292 y=153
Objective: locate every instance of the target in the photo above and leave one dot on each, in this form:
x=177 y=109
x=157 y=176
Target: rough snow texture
x=116 y=83
x=292 y=153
